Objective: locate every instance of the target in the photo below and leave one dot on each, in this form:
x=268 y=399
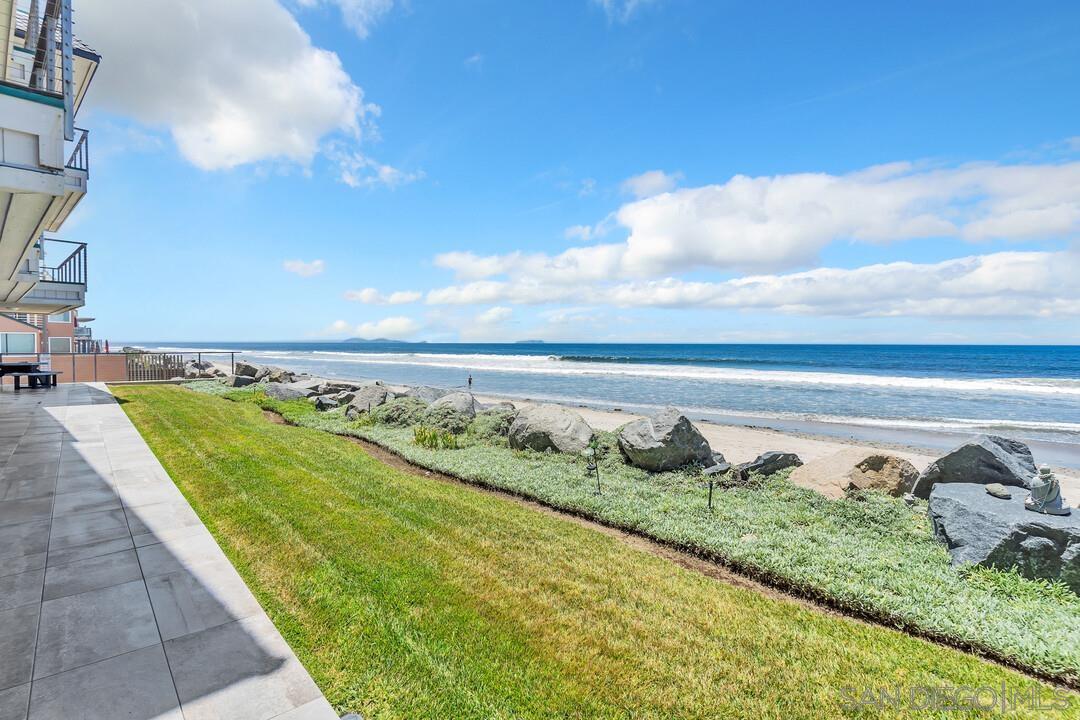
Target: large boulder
x=238 y=381
x=1000 y=533
x=279 y=375
x=426 y=393
x=285 y=391
x=366 y=399
x=332 y=387
x=885 y=473
x=855 y=469
x=984 y=460
x=771 y=462
x=664 y=441
x=549 y=427
x=310 y=386
x=248 y=369
x=452 y=412
x=324 y=402
x=199 y=369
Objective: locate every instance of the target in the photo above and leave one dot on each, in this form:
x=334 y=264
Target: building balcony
x=46 y=287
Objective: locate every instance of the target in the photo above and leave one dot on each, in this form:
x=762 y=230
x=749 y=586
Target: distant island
x=382 y=340
x=529 y=342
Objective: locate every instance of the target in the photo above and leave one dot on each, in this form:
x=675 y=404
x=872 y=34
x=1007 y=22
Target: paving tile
x=23 y=488
x=76 y=482
x=17 y=512
x=99 y=572
x=134 y=496
x=161 y=518
x=95 y=625
x=178 y=555
x=14 y=564
x=13 y=702
x=71 y=530
x=243 y=670
x=84 y=501
x=189 y=601
x=24 y=539
x=21 y=589
x=319 y=709
x=18 y=629
x=135 y=685
x=140 y=476
x=90 y=550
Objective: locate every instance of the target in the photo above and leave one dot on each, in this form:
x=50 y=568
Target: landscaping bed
x=871 y=556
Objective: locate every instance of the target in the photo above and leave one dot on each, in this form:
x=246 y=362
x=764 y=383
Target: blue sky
x=660 y=170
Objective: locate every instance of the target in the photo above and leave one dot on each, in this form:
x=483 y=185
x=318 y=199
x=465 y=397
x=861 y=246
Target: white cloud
x=622 y=10
x=1004 y=284
x=588 y=187
x=304 y=269
x=650 y=183
x=474 y=61
x=783 y=222
x=371 y=296
x=396 y=328
x=234 y=82
x=359 y=15
x=495 y=316
x=359 y=170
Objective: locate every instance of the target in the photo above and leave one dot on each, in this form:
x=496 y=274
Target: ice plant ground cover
x=873 y=557
x=408 y=596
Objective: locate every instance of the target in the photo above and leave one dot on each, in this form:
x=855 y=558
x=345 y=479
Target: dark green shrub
x=492 y=424
x=445 y=417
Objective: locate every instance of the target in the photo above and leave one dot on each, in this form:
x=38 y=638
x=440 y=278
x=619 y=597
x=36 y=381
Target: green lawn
x=407 y=597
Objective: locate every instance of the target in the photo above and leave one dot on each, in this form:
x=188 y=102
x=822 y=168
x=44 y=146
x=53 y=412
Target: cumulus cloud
x=359 y=15
x=650 y=183
x=779 y=223
x=234 y=82
x=304 y=269
x=397 y=328
x=1004 y=284
x=371 y=296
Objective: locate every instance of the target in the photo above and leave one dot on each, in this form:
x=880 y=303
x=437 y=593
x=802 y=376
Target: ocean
x=929 y=395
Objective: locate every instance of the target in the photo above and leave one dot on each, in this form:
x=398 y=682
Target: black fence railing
x=71 y=270
x=80 y=156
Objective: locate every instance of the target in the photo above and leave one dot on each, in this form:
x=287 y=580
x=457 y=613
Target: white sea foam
x=551 y=365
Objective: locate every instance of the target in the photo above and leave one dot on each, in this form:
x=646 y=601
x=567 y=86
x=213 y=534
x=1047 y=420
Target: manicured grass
x=408 y=597
x=872 y=557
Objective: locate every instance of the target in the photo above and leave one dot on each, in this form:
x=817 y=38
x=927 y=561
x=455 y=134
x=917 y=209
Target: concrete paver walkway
x=115 y=601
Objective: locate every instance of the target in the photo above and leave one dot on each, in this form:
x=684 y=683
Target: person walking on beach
x=470 y=382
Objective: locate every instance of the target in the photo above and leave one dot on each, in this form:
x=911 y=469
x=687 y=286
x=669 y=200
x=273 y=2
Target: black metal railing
x=80 y=156
x=71 y=270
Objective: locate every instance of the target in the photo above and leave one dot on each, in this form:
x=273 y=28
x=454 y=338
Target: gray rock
x=985 y=530
x=309 y=386
x=771 y=462
x=332 y=387
x=369 y=397
x=461 y=402
x=323 y=402
x=426 y=393
x=550 y=427
x=285 y=391
x=344 y=397
x=664 y=441
x=986 y=459
x=248 y=369
x=240 y=381
x=280 y=375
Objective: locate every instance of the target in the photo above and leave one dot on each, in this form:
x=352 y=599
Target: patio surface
x=115 y=601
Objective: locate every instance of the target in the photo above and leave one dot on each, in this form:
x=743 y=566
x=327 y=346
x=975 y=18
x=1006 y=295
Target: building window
x=18 y=343
x=64 y=317
x=59 y=344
